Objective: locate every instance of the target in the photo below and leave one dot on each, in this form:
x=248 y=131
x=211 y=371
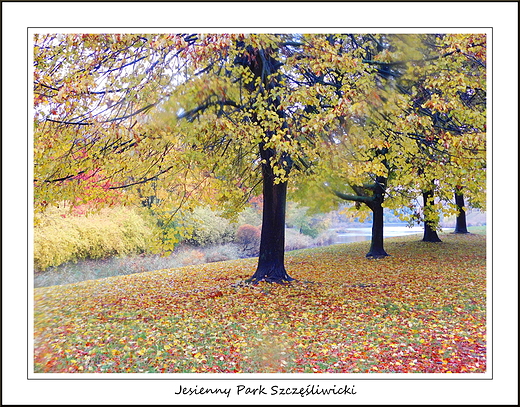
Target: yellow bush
x=61 y=236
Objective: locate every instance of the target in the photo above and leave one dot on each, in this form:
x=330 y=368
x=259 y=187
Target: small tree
x=248 y=238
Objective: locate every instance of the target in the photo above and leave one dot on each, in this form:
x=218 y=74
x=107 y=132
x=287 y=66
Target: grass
x=479 y=230
x=420 y=310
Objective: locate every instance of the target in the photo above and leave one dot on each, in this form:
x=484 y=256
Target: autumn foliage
x=421 y=310
x=70 y=234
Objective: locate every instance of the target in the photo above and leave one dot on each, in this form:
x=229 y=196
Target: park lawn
x=479 y=230
x=421 y=310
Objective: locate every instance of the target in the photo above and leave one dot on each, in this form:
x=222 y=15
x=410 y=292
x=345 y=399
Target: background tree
x=460 y=223
x=401 y=143
x=442 y=107
x=450 y=95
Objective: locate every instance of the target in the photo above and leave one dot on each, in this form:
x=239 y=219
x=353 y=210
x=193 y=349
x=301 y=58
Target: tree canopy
x=421 y=129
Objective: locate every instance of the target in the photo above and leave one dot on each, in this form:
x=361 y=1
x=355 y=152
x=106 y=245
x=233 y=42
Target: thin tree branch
x=190 y=115
x=104 y=121
x=63 y=178
x=144 y=180
x=372 y=62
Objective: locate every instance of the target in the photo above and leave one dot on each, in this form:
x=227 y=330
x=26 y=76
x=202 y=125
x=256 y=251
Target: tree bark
x=272 y=239
x=430 y=234
x=460 y=225
x=377 y=250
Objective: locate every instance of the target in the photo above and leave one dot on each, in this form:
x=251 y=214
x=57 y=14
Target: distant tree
x=441 y=129
x=430 y=232
x=415 y=135
x=460 y=223
x=449 y=101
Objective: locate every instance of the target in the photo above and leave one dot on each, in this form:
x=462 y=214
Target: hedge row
x=61 y=236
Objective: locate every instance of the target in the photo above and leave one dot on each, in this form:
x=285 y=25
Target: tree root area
x=273 y=274
x=377 y=255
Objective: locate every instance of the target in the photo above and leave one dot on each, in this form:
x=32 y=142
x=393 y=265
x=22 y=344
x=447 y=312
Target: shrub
x=61 y=236
x=295 y=240
x=250 y=216
x=248 y=239
x=298 y=217
x=191 y=257
x=222 y=253
x=208 y=227
x=326 y=238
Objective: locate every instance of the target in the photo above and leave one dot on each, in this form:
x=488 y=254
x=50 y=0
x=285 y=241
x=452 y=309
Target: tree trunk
x=460 y=226
x=375 y=203
x=430 y=234
x=377 y=250
x=272 y=240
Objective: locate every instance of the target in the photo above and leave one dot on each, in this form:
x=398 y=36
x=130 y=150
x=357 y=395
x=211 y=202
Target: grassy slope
x=420 y=310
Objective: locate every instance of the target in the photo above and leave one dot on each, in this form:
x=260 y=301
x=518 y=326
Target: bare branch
x=143 y=180
x=105 y=121
x=190 y=114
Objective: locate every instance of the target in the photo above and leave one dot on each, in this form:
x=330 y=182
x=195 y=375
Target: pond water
x=359 y=234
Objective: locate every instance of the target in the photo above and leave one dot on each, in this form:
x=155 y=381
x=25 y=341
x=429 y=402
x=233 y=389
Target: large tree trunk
x=460 y=226
x=377 y=250
x=272 y=240
x=430 y=234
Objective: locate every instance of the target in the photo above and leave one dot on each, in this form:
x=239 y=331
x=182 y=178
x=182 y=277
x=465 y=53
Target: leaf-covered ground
x=421 y=310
